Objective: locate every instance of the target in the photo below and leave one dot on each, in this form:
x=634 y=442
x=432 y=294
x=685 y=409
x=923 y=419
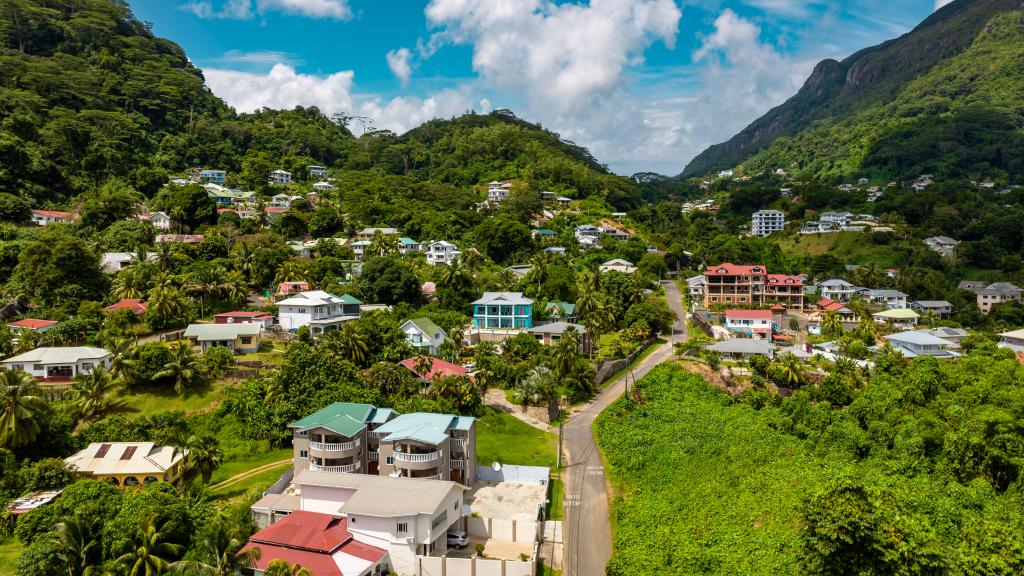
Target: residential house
x=1013 y=340
x=179 y=238
x=757 y=324
x=280 y=177
x=971 y=285
x=554 y=250
x=359 y=248
x=438 y=369
x=614 y=232
x=503 y=310
x=550 y=334
x=837 y=289
x=618 y=265
x=997 y=293
x=743 y=348
x=920 y=343
x=940 y=308
x=368 y=233
x=281 y=201
x=160 y=221
x=548 y=196
x=900 y=317
x=321 y=311
x=951 y=335
x=408 y=245
x=725 y=173
x=300 y=248
x=943 y=245
x=292 y=287
x=587 y=235
x=113 y=262
x=136 y=305
x=544 y=234
x=563 y=201
x=59 y=363
x=339 y=438
x=244 y=338
x=888 y=299
x=561 y=310
x=320 y=543
x=520 y=270
x=695 y=288
x=209 y=176
x=129 y=464
x=751 y=285
x=765 y=222
x=840 y=219
x=423 y=335
x=264 y=319
x=498 y=191
x=317 y=171
x=442 y=252
x=33 y=325
x=846 y=315
x=46 y=217
x=323 y=187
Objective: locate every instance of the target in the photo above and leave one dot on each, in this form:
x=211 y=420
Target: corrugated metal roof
x=134 y=458
x=384 y=495
x=58 y=355
x=356 y=412
x=222 y=331
x=419 y=426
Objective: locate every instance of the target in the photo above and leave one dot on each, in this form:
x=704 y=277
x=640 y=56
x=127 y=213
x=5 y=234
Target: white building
x=59 y=362
x=841 y=219
x=160 y=221
x=889 y=299
x=498 y=191
x=280 y=177
x=281 y=201
x=113 y=262
x=323 y=186
x=765 y=222
x=442 y=252
x=837 y=289
x=943 y=245
x=756 y=323
x=321 y=311
x=44 y=217
x=318 y=171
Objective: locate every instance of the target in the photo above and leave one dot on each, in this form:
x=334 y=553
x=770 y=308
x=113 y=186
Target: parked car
x=457 y=539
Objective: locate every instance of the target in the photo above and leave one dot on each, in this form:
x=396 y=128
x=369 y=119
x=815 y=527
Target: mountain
x=945 y=98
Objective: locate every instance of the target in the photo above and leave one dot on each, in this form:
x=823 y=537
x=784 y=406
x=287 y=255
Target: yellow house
x=242 y=338
x=129 y=464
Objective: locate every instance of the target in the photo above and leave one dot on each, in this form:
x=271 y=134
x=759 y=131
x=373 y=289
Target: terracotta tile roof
x=32 y=323
x=54 y=213
x=306 y=531
x=749 y=314
x=729 y=269
x=785 y=279
x=438 y=368
x=134 y=304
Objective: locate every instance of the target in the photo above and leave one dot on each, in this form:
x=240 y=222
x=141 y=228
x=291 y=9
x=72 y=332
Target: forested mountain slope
x=949 y=93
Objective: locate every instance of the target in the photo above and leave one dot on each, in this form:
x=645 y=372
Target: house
x=551 y=334
x=345 y=438
x=209 y=176
x=846 y=315
x=129 y=464
x=520 y=270
x=408 y=245
x=997 y=293
x=292 y=287
x=751 y=285
x=244 y=338
x=618 y=265
x=839 y=219
x=695 y=288
x=765 y=222
x=323 y=187
x=368 y=233
x=952 y=335
x=32 y=501
x=423 y=335
x=59 y=363
x=320 y=543
x=554 y=250
x=281 y=201
x=160 y=221
x=587 y=235
x=836 y=289
x=136 y=305
x=755 y=323
x=940 y=308
x=743 y=348
x=615 y=232
x=561 y=310
x=563 y=201
x=359 y=248
x=179 y=238
x=504 y=310
x=280 y=177
x=438 y=369
x=725 y=174
x=113 y=262
x=228 y=197
x=544 y=233
x=321 y=311
x=46 y=217
x=33 y=325
x=264 y=319
x=317 y=171
x=1013 y=340
x=943 y=245
x=888 y=299
x=971 y=285
x=498 y=191
x=901 y=317
x=920 y=343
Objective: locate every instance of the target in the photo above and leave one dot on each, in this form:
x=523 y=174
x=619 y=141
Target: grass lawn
x=556 y=495
x=10 y=548
x=147 y=403
x=260 y=481
x=854 y=247
x=273 y=356
x=508 y=440
x=236 y=464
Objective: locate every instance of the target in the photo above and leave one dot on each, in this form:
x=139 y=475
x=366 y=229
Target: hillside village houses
x=321 y=311
x=54 y=364
x=751 y=285
x=239 y=338
x=922 y=343
x=323 y=186
x=837 y=289
x=424 y=335
x=757 y=324
x=888 y=299
x=1013 y=340
x=988 y=295
x=618 y=265
x=943 y=245
x=503 y=310
x=368 y=233
x=129 y=464
x=34 y=325
x=498 y=191
x=280 y=177
x=135 y=305
x=46 y=217
x=317 y=171
x=766 y=222
x=941 y=308
x=211 y=176
x=113 y=262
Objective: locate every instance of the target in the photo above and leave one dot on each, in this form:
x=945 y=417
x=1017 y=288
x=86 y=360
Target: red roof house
x=318 y=542
x=137 y=306
x=33 y=324
x=240 y=317
x=749 y=314
x=438 y=369
x=285 y=288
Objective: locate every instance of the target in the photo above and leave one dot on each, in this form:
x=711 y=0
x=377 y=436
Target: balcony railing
x=459 y=443
x=373 y=456
x=434 y=477
x=457 y=464
x=334 y=447
x=428 y=457
x=339 y=469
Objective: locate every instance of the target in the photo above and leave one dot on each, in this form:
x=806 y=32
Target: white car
x=457 y=539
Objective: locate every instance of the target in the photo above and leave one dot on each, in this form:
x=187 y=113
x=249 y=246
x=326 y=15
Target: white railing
x=372 y=456
x=459 y=443
x=428 y=457
x=378 y=435
x=457 y=464
x=340 y=469
x=334 y=447
x=434 y=477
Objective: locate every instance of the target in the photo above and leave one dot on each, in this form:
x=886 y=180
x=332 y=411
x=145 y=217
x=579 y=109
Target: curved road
x=587 y=525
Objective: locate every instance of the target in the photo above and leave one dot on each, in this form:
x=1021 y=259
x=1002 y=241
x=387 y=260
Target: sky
x=646 y=85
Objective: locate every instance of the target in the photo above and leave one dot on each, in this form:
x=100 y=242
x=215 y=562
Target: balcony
x=435 y=477
x=373 y=456
x=345 y=469
x=418 y=458
x=457 y=464
x=459 y=443
x=334 y=446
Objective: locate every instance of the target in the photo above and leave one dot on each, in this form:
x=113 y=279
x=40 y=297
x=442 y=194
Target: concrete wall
x=442 y=566
x=504 y=530
x=514 y=473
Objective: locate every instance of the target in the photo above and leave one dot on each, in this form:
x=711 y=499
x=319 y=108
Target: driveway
x=587 y=527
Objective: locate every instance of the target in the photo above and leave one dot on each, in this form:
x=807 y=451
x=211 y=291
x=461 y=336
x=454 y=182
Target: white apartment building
x=59 y=363
x=442 y=252
x=322 y=311
x=498 y=191
x=280 y=177
x=765 y=222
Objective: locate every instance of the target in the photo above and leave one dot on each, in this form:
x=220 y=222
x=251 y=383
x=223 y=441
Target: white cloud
x=398 y=62
x=245 y=9
x=941 y=3
x=282 y=87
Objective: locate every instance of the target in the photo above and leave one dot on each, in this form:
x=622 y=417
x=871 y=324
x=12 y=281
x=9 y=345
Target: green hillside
x=944 y=98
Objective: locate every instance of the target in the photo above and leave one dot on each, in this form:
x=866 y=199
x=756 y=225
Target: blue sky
x=645 y=84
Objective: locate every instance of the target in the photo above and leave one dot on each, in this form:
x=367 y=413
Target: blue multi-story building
x=508 y=310
x=212 y=176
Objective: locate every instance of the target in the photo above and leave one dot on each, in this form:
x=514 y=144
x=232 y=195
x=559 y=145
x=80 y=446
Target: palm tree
x=78 y=546
x=382 y=245
x=129 y=283
x=168 y=303
x=92 y=395
x=692 y=345
x=207 y=281
x=423 y=364
x=147 y=552
x=122 y=365
x=236 y=287
x=203 y=453
x=870 y=274
x=282 y=568
x=792 y=369
x=221 y=548
x=349 y=343
x=165 y=257
x=22 y=409
x=292 y=271
x=242 y=257
x=832 y=324
x=184 y=368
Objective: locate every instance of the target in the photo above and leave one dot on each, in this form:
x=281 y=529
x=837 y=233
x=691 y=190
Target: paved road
x=586 y=526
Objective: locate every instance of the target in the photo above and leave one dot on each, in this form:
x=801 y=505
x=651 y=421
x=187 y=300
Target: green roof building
x=424 y=335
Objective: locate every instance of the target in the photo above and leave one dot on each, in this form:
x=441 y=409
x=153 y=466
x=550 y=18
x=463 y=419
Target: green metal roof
x=341 y=417
x=406 y=241
x=546 y=232
x=381 y=415
x=428 y=327
x=349 y=299
x=463 y=422
x=566 y=308
x=419 y=427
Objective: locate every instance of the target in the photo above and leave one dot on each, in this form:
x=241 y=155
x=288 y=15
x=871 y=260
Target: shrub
x=216 y=359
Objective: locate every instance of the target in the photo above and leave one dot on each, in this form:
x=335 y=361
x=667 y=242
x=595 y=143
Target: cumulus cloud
x=282 y=87
x=398 y=62
x=941 y=3
x=246 y=9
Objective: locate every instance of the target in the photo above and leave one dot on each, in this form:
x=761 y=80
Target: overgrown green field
x=851 y=247
x=506 y=439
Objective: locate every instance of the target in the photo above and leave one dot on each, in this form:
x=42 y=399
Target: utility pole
x=558 y=461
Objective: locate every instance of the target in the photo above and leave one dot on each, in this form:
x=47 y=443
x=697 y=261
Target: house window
x=455 y=505
x=303 y=454
x=303 y=433
x=402 y=527
x=246 y=339
x=390 y=460
x=351 y=519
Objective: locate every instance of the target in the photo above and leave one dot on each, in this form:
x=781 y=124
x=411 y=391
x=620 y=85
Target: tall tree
x=147 y=552
x=184 y=369
x=23 y=412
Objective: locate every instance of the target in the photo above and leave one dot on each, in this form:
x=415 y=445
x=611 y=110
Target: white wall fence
x=503 y=530
x=444 y=566
x=515 y=474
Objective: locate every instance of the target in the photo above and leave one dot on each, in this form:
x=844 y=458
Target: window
x=303 y=454
x=246 y=339
x=351 y=519
x=455 y=505
x=303 y=433
x=402 y=527
x=390 y=460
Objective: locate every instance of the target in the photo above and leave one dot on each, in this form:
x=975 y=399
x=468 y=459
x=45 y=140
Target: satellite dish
x=496 y=467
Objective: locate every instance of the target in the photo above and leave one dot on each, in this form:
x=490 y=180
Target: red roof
x=749 y=314
x=438 y=368
x=728 y=269
x=778 y=307
x=136 y=305
x=785 y=279
x=242 y=314
x=275 y=210
x=32 y=324
x=54 y=213
x=825 y=302
x=310 y=539
x=364 y=551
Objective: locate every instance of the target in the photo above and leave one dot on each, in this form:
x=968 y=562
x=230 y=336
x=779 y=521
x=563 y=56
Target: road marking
x=595 y=470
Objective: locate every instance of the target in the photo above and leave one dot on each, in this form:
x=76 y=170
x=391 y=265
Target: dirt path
x=247 y=474
x=495 y=398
